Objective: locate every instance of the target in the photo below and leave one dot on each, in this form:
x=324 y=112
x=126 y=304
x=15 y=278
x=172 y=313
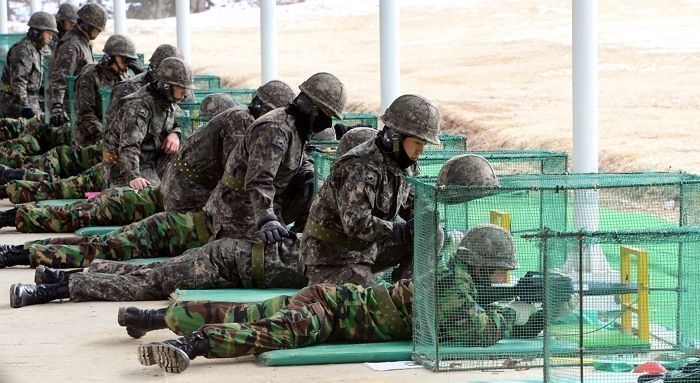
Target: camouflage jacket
x=125 y=88
x=261 y=165
x=193 y=174
x=72 y=53
x=22 y=76
x=88 y=102
x=133 y=140
x=359 y=201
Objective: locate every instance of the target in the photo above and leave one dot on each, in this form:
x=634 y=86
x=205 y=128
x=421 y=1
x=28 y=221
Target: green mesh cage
x=71 y=99
x=526 y=204
x=105 y=99
x=46 y=66
x=503 y=161
x=362 y=119
x=6 y=42
x=638 y=302
x=450 y=141
x=241 y=96
x=189 y=125
x=207 y=81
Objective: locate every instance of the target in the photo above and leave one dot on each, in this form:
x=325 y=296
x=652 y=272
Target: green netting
x=526 y=204
x=189 y=125
x=503 y=161
x=362 y=119
x=105 y=99
x=71 y=99
x=450 y=141
x=207 y=81
x=639 y=299
x=6 y=42
x=241 y=96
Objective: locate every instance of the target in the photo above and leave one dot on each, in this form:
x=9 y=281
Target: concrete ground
x=82 y=342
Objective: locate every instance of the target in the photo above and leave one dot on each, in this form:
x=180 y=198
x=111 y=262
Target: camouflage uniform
x=118 y=206
x=257 y=173
x=193 y=174
x=332 y=313
x=21 y=79
x=353 y=215
x=72 y=53
x=125 y=88
x=88 y=102
x=61 y=161
x=23 y=191
x=35 y=138
x=11 y=128
x=134 y=137
x=224 y=263
x=158 y=235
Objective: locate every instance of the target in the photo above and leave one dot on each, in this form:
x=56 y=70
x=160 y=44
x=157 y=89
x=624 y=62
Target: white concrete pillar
x=3 y=17
x=268 y=40
x=182 y=11
x=585 y=85
x=34 y=6
x=389 y=58
x=119 y=17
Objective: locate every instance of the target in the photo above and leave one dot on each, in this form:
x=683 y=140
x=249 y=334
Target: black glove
x=534 y=325
x=403 y=231
x=271 y=230
x=134 y=65
x=27 y=112
x=58 y=116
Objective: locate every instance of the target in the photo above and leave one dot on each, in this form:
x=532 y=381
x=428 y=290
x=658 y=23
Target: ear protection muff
x=391 y=139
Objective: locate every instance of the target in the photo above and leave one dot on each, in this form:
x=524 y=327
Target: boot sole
x=15 y=301
x=39 y=275
x=169 y=359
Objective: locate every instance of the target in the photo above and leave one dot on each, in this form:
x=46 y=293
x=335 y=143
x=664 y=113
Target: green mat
x=230 y=295
x=604 y=339
x=96 y=230
x=59 y=202
x=395 y=351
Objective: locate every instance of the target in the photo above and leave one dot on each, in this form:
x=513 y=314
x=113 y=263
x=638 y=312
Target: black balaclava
x=391 y=142
x=256 y=107
x=308 y=118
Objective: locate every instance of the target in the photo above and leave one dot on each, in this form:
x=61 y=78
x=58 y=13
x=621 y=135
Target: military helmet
x=467 y=170
x=120 y=45
x=43 y=21
x=214 y=104
x=274 y=94
x=354 y=137
x=175 y=71
x=489 y=246
x=67 y=12
x=414 y=116
x=324 y=135
x=161 y=53
x=326 y=90
x=93 y=15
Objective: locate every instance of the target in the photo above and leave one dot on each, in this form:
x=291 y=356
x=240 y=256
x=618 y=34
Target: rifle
x=530 y=289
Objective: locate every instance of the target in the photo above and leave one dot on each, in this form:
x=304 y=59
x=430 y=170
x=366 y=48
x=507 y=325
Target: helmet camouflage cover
x=174 y=71
x=161 y=53
x=414 y=116
x=354 y=137
x=120 y=45
x=214 y=104
x=327 y=91
x=93 y=15
x=467 y=170
x=43 y=21
x=67 y=12
x=488 y=246
x=274 y=94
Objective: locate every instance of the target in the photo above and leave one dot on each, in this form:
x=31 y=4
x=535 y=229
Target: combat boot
x=45 y=275
x=138 y=322
x=13 y=255
x=175 y=355
x=7 y=218
x=27 y=294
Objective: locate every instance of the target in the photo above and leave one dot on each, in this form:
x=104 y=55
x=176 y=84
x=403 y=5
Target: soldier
x=72 y=53
x=256 y=196
x=353 y=229
x=133 y=84
x=349 y=313
x=195 y=172
x=66 y=18
x=204 y=153
x=22 y=74
x=120 y=55
x=143 y=132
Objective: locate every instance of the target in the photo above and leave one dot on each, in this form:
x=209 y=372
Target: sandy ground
x=82 y=342
x=500 y=70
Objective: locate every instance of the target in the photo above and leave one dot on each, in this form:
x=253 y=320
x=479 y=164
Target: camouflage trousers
x=37 y=139
x=160 y=235
x=51 y=187
x=62 y=161
x=316 y=314
x=224 y=263
x=117 y=206
x=12 y=128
